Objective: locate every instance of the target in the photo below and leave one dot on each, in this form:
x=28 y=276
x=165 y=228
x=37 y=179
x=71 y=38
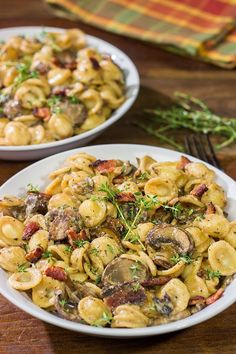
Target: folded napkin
x=204 y=29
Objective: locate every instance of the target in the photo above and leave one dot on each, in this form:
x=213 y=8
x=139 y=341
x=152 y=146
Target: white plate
x=37 y=175
x=33 y=152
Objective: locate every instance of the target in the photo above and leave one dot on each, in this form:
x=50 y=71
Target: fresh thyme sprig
x=181 y=257
x=190 y=113
x=24 y=74
x=213 y=274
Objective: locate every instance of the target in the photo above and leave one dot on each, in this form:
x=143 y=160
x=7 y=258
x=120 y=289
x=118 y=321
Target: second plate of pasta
x=119 y=240
x=59 y=89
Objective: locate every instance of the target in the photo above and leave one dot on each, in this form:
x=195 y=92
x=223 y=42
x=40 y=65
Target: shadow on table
x=67 y=342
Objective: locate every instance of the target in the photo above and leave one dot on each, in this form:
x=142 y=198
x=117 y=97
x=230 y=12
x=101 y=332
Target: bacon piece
x=127 y=293
x=56 y=272
x=42 y=68
x=118 y=180
x=211 y=299
x=184 y=161
x=75 y=236
x=199 y=190
x=173 y=201
x=155 y=281
x=59 y=91
x=196 y=300
x=29 y=230
x=104 y=166
x=210 y=209
x=125 y=197
x=43 y=112
x=34 y=255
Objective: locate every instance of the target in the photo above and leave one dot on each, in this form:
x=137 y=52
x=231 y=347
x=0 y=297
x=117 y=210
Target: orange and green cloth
x=200 y=28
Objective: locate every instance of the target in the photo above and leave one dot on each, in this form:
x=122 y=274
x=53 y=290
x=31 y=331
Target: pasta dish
x=110 y=244
x=54 y=87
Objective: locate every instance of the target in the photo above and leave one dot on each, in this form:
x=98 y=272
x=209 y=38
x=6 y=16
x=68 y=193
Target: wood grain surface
x=161 y=74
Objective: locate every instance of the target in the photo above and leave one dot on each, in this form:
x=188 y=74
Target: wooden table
x=161 y=73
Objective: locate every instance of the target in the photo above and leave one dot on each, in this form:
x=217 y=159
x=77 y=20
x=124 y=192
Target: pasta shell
x=231 y=236
x=11 y=230
x=129 y=316
x=164 y=189
x=178 y=294
x=43 y=294
x=214 y=225
x=39 y=239
x=106 y=248
x=93 y=213
x=25 y=280
x=196 y=286
x=92 y=311
x=11 y=258
x=222 y=257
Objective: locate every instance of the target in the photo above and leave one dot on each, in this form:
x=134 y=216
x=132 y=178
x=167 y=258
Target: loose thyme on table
x=190 y=113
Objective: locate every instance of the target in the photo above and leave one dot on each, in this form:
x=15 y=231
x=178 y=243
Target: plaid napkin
x=204 y=29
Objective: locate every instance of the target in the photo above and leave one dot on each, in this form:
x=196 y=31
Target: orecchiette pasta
x=56 y=87
x=110 y=244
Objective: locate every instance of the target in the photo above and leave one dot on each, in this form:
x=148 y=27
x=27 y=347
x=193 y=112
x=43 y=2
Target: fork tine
x=199 y=145
x=212 y=152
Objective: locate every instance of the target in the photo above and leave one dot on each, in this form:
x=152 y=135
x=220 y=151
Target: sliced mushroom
x=12 y=109
x=77 y=112
x=36 y=203
x=122 y=270
x=61 y=220
x=66 y=307
x=165 y=241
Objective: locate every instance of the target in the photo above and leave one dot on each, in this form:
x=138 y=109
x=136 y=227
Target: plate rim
x=190 y=321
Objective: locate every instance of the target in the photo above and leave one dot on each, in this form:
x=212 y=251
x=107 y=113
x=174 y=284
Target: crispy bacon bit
x=184 y=161
x=215 y=296
x=59 y=91
x=118 y=180
x=34 y=255
x=74 y=236
x=199 y=190
x=104 y=166
x=43 y=112
x=125 y=197
x=196 y=300
x=29 y=230
x=42 y=68
x=173 y=201
x=95 y=63
x=56 y=272
x=155 y=281
x=127 y=293
x=210 y=209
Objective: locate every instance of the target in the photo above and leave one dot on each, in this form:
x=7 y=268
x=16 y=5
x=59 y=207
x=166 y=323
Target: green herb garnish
x=190 y=113
x=104 y=320
x=68 y=249
x=32 y=188
x=213 y=274
x=73 y=99
x=24 y=74
x=22 y=268
x=80 y=243
x=181 y=257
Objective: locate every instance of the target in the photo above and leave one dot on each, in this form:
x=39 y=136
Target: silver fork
x=199 y=145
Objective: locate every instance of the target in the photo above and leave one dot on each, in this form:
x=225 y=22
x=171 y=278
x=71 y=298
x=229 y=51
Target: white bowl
x=33 y=152
x=37 y=175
